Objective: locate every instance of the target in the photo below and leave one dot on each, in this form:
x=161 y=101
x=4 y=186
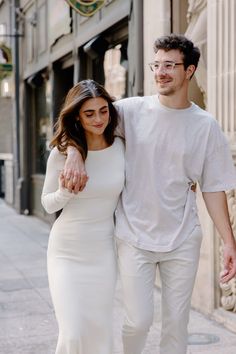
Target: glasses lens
x=166 y=66
x=151 y=66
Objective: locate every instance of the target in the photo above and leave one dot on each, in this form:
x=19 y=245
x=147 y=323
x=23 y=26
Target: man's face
x=169 y=72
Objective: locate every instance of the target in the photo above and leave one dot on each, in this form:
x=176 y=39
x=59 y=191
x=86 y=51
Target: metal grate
x=202 y=338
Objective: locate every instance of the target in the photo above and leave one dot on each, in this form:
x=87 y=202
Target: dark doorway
x=62 y=83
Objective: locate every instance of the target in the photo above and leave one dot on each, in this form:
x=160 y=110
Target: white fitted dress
x=81 y=253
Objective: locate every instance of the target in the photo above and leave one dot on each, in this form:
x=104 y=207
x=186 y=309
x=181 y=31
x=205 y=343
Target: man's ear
x=190 y=71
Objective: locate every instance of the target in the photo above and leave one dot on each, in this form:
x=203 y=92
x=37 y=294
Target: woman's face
x=94 y=115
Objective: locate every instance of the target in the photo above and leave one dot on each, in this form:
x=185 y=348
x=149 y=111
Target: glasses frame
x=172 y=63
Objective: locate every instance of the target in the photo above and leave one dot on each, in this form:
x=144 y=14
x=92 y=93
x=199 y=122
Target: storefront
x=56 y=54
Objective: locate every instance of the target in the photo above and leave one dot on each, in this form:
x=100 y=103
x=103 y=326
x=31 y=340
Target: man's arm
x=74 y=171
x=217 y=207
x=120 y=129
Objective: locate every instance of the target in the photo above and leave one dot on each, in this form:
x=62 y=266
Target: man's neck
x=174 y=102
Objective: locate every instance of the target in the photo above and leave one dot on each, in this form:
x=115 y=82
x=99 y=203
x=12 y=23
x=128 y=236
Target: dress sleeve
x=53 y=197
x=219 y=173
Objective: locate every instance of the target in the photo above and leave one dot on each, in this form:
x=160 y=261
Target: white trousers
x=138 y=272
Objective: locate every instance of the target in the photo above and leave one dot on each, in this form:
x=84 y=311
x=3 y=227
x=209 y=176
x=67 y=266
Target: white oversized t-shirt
x=167 y=150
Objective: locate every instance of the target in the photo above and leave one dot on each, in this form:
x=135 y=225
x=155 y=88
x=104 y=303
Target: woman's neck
x=97 y=142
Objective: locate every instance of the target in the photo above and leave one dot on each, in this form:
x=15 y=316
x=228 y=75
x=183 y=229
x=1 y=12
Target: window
x=115 y=69
x=3 y=30
x=42 y=126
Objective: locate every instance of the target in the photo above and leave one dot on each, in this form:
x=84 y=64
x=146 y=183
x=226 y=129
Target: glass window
x=115 y=70
x=43 y=126
x=6 y=87
x=3 y=28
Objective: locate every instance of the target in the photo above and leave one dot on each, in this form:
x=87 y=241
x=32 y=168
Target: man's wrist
x=229 y=241
x=71 y=150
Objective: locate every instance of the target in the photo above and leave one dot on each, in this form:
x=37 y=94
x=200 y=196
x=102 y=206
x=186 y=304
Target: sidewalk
x=27 y=322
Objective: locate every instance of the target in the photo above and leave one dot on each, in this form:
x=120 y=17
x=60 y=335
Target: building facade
x=6 y=105
x=211 y=24
x=61 y=46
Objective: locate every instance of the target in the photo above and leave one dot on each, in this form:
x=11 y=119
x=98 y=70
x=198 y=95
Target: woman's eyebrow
x=88 y=110
x=92 y=110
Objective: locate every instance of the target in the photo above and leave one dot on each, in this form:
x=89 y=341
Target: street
x=27 y=322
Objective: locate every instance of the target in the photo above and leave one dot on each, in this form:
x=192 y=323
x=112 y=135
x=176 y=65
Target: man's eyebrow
x=164 y=61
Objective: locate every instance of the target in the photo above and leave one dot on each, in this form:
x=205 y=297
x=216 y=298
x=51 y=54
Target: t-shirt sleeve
x=120 y=129
x=54 y=198
x=219 y=173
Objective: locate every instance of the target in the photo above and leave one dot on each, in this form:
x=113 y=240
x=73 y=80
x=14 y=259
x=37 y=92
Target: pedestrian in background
x=81 y=255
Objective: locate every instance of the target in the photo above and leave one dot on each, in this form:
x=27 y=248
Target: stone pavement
x=27 y=322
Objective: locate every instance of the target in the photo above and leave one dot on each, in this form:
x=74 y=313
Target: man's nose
x=161 y=69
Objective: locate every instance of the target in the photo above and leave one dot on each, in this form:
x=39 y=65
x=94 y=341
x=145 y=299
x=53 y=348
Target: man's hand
x=217 y=207
x=74 y=171
x=229 y=263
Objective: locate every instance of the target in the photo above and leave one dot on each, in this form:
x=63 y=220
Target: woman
x=81 y=255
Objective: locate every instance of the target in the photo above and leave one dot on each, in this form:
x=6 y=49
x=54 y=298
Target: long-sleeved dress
x=81 y=253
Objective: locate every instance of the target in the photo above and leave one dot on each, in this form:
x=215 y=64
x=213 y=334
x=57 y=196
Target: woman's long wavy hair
x=68 y=130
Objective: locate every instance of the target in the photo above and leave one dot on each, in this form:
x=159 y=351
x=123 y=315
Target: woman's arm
x=54 y=196
x=217 y=207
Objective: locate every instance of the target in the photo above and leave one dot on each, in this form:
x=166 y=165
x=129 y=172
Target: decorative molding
x=221 y=69
x=228 y=290
x=231 y=198
x=86 y=7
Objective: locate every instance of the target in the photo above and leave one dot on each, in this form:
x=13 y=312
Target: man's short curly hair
x=191 y=54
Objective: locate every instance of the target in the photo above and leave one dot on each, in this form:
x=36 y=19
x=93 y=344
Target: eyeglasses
x=167 y=66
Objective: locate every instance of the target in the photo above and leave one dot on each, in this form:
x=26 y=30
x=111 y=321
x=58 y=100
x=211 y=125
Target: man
x=171 y=145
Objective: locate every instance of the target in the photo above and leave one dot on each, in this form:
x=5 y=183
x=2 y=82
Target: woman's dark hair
x=191 y=54
x=68 y=130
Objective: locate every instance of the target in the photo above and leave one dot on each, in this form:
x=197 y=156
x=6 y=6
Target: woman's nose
x=98 y=117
